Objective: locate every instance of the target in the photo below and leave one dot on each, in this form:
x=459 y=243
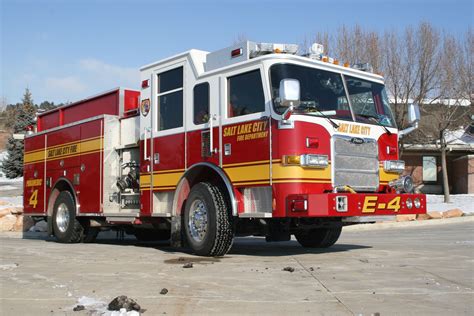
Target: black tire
x=70 y=230
x=318 y=237
x=218 y=236
x=152 y=234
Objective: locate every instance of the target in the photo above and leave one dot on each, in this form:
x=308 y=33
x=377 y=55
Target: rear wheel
x=208 y=221
x=66 y=227
x=318 y=237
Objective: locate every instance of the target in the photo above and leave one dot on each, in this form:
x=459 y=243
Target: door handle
x=211 y=133
x=145 y=146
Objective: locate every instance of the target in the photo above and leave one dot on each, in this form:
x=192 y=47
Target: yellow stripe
x=247 y=163
x=169 y=171
x=252 y=183
x=296 y=172
x=248 y=173
x=32 y=157
x=162 y=179
x=302 y=181
x=63 y=144
x=145 y=180
x=88 y=146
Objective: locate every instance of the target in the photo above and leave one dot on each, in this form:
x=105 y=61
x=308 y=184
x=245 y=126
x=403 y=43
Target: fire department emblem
x=145 y=107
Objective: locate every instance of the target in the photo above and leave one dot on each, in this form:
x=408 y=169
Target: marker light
x=145 y=83
x=394 y=166
x=417 y=202
x=307 y=160
x=236 y=52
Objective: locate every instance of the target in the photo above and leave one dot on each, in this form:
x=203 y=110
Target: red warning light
x=236 y=52
x=145 y=83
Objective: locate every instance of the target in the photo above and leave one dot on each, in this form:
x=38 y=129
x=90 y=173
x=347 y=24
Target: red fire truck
x=248 y=140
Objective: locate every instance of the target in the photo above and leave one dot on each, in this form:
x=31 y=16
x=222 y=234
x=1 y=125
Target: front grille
x=355 y=163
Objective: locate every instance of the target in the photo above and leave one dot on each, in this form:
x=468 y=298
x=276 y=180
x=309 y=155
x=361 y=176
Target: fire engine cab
x=252 y=139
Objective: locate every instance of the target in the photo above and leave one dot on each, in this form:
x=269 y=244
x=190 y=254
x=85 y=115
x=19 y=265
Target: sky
x=66 y=50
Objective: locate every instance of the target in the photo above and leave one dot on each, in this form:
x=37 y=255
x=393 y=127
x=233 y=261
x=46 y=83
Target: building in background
x=423 y=163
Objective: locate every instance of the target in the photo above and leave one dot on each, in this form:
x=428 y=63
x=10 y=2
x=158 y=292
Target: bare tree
x=419 y=66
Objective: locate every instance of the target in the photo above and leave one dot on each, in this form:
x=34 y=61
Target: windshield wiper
x=303 y=105
x=371 y=116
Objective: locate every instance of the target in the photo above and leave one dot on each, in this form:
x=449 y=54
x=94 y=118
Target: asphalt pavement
x=415 y=270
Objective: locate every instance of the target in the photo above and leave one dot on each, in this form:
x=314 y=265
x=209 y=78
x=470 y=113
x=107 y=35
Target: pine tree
x=12 y=166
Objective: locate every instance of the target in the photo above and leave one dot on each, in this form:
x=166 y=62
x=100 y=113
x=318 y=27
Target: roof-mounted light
x=363 y=67
x=270 y=48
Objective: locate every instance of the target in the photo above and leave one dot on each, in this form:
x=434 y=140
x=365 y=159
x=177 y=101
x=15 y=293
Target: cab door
x=168 y=137
x=203 y=123
x=245 y=128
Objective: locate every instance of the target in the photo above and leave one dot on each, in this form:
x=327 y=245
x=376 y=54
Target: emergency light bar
x=269 y=48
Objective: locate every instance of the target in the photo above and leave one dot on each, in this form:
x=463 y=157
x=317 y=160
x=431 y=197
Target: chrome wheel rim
x=197 y=222
x=62 y=217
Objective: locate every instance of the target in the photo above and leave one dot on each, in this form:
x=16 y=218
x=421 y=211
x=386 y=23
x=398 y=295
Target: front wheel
x=66 y=227
x=208 y=221
x=318 y=237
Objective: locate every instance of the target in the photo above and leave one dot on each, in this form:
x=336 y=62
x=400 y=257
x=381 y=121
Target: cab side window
x=245 y=94
x=201 y=103
x=170 y=99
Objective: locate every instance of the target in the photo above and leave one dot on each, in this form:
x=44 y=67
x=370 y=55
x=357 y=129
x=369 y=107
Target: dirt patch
x=193 y=260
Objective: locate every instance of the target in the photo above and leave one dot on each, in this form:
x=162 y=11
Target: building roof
x=461 y=139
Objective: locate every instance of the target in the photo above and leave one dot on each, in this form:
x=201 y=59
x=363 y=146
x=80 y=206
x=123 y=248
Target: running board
x=121 y=219
x=256 y=215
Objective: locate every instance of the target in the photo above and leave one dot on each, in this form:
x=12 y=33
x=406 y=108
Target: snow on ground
x=465 y=202
x=99 y=307
x=7 y=187
x=4 y=179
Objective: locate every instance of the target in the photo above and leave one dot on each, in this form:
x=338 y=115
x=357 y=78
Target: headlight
x=417 y=202
x=394 y=166
x=409 y=203
x=403 y=184
x=307 y=160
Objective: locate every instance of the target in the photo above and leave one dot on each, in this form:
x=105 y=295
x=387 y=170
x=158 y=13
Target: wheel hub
x=198 y=220
x=62 y=217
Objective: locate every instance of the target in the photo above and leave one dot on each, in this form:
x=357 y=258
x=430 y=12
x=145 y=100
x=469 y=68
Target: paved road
x=422 y=270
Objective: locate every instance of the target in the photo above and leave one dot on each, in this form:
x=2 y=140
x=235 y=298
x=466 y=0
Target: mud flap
x=176 y=233
x=49 y=221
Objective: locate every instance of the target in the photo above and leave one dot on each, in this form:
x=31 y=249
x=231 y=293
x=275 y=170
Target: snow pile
x=99 y=307
x=8 y=202
x=464 y=202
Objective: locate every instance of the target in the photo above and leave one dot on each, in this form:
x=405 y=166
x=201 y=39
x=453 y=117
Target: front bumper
x=356 y=204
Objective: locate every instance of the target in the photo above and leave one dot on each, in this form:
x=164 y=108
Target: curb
x=411 y=224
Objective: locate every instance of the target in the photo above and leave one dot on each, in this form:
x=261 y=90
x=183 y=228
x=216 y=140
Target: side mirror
x=289 y=92
x=413 y=113
x=413 y=119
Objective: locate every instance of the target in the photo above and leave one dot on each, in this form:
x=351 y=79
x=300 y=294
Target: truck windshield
x=323 y=94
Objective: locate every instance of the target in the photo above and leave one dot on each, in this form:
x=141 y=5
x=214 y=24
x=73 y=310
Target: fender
x=55 y=192
x=183 y=188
